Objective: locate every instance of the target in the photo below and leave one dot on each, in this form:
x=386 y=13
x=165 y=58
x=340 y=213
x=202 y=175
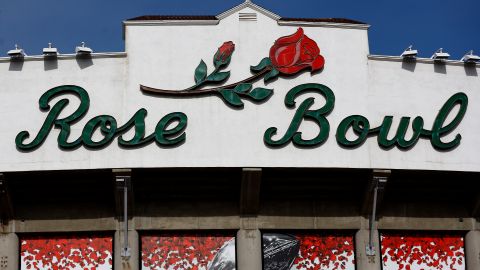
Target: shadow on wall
x=15 y=66
x=50 y=64
x=409 y=65
x=440 y=68
x=84 y=61
x=471 y=70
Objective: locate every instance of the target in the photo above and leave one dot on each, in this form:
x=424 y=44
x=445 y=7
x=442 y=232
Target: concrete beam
x=235 y=222
x=309 y=223
x=187 y=223
x=123 y=177
x=412 y=223
x=249 y=249
x=9 y=248
x=131 y=263
x=63 y=225
x=472 y=250
x=6 y=206
x=365 y=262
x=250 y=191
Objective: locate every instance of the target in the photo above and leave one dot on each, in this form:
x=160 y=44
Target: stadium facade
x=243 y=141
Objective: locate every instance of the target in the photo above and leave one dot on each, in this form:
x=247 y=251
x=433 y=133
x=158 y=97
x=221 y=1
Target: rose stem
x=203 y=91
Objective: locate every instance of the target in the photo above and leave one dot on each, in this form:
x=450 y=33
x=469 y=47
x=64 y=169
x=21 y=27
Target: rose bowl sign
x=289 y=56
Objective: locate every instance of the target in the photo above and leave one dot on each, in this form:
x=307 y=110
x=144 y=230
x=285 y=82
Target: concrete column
x=472 y=249
x=133 y=240
x=9 y=248
x=365 y=262
x=249 y=249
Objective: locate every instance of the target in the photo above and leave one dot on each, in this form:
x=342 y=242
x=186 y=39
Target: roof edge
x=66 y=56
x=324 y=24
x=393 y=58
x=171 y=22
x=213 y=20
x=173 y=18
x=332 y=20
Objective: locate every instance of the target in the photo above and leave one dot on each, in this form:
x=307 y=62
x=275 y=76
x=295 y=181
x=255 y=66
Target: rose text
x=106 y=124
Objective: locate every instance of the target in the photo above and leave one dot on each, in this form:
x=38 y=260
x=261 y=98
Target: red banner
x=415 y=251
x=195 y=251
x=66 y=252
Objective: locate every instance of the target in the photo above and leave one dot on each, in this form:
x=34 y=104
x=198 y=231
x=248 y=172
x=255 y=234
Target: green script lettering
x=303 y=112
x=361 y=128
x=106 y=124
x=170 y=130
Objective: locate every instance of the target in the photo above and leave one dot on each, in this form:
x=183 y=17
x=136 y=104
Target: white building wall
x=165 y=56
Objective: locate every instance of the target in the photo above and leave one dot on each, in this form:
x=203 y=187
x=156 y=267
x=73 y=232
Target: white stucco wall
x=165 y=56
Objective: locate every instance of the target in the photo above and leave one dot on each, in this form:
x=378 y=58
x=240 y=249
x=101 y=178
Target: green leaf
x=218 y=77
x=263 y=64
x=272 y=74
x=231 y=97
x=200 y=72
x=242 y=88
x=260 y=94
x=216 y=64
x=220 y=63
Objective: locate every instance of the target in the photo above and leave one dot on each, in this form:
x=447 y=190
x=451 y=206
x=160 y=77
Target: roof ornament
x=82 y=50
x=440 y=55
x=409 y=53
x=470 y=58
x=50 y=52
x=17 y=53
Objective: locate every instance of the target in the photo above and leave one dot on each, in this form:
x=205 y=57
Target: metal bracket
x=379 y=181
x=123 y=183
x=370 y=249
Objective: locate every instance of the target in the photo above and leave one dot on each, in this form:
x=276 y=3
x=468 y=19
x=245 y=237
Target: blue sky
x=427 y=24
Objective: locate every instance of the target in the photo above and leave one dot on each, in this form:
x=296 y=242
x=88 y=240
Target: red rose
x=293 y=53
x=224 y=54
